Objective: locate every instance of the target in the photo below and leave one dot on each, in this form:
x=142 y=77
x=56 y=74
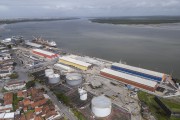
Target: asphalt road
x=63 y=109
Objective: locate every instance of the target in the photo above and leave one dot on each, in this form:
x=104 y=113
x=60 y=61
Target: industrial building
x=129 y=79
x=75 y=63
x=139 y=72
x=44 y=53
x=63 y=67
x=33 y=45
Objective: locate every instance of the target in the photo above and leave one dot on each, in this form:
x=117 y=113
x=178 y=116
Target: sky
x=87 y=8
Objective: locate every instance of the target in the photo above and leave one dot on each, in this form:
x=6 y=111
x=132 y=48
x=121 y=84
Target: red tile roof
x=30 y=115
x=39 y=103
x=38 y=118
x=8 y=98
x=20 y=93
x=26 y=102
x=38 y=109
x=22 y=117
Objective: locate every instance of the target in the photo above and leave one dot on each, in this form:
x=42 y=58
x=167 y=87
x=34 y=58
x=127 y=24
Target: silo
x=48 y=72
x=101 y=106
x=82 y=94
x=54 y=78
x=73 y=79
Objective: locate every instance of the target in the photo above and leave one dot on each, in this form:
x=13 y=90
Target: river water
x=155 y=47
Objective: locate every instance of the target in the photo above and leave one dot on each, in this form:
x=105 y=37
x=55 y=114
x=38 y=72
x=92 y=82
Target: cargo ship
x=39 y=40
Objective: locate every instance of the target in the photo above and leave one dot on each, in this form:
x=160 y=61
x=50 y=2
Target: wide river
x=155 y=47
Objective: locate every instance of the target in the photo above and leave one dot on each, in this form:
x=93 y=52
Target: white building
x=9 y=116
x=6 y=71
x=15 y=85
x=6 y=108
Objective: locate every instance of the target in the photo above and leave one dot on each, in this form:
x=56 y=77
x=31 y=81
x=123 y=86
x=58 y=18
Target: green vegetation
x=10 y=21
x=30 y=84
x=155 y=109
x=138 y=20
x=174 y=105
x=29 y=111
x=65 y=99
x=4 y=90
x=14 y=76
x=148 y=99
x=78 y=114
x=62 y=97
x=9 y=46
x=15 y=101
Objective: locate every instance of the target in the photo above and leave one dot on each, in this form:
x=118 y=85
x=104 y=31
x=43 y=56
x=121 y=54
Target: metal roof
x=130 y=77
x=2 y=115
x=158 y=74
x=33 y=44
x=75 y=61
x=9 y=115
x=62 y=66
x=44 y=52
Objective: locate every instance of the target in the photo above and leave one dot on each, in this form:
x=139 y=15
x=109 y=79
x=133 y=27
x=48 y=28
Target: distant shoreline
x=11 y=21
x=136 y=20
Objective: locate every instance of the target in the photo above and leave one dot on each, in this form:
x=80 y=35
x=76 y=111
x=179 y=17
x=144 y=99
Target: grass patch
x=148 y=99
x=172 y=104
x=65 y=99
x=62 y=97
x=78 y=114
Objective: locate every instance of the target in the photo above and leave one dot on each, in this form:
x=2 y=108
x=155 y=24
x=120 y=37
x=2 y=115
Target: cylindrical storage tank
x=101 y=106
x=82 y=93
x=54 y=78
x=73 y=79
x=48 y=72
x=83 y=96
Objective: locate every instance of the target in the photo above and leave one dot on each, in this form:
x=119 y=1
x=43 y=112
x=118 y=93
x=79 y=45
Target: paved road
x=64 y=109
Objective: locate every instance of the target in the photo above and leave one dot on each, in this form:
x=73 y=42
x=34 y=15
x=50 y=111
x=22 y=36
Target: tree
x=9 y=46
x=30 y=84
x=14 y=76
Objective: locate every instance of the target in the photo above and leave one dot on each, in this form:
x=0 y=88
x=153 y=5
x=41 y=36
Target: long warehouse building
x=75 y=63
x=129 y=79
x=140 y=72
x=44 y=53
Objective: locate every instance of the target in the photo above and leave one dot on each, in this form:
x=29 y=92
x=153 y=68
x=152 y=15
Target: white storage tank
x=82 y=94
x=54 y=78
x=49 y=72
x=73 y=79
x=101 y=106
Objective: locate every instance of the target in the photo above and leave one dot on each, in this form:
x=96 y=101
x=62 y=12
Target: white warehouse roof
x=75 y=61
x=9 y=115
x=130 y=77
x=158 y=74
x=33 y=44
x=63 y=67
x=43 y=52
x=2 y=116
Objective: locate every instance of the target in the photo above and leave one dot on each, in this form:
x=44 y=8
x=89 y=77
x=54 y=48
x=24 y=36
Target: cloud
x=3 y=8
x=90 y=7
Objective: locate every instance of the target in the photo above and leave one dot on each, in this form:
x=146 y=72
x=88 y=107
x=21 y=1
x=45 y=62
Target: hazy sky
x=64 y=8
